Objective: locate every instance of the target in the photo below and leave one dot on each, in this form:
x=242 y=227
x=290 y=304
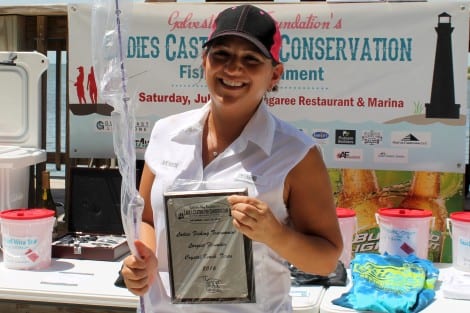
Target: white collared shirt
x=259 y=159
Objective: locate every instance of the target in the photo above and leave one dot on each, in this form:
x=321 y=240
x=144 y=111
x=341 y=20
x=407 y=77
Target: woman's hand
x=254 y=219
x=139 y=272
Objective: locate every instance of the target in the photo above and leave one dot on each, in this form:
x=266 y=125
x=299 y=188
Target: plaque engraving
x=209 y=260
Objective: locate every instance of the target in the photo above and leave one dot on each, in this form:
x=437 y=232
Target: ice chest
x=20 y=98
x=93 y=214
x=20 y=122
x=14 y=175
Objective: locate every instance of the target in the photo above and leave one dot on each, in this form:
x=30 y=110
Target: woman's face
x=237 y=73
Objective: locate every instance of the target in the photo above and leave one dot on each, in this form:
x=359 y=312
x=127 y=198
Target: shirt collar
x=192 y=124
x=259 y=129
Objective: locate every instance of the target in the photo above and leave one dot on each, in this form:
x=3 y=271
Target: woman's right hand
x=139 y=272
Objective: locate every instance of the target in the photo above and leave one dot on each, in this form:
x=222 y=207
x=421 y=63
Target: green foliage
x=418 y=107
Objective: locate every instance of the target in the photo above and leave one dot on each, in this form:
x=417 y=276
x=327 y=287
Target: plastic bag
x=390 y=284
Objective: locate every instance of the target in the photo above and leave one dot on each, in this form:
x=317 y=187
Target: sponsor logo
x=411 y=139
x=321 y=135
x=345 y=137
x=104 y=126
x=141 y=143
x=348 y=154
x=371 y=137
x=390 y=155
x=142 y=126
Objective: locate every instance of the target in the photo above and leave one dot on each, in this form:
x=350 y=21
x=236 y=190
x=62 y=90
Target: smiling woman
x=235 y=141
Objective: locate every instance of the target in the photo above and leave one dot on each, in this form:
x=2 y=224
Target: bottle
x=424 y=194
x=45 y=200
x=360 y=191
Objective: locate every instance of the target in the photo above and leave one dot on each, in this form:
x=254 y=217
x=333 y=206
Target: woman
x=289 y=212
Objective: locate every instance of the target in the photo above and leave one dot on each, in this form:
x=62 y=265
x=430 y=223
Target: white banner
x=379 y=85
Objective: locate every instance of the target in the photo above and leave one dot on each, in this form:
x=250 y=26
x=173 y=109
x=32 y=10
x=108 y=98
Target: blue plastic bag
x=390 y=284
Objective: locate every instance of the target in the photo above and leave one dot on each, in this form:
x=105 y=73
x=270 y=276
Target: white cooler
x=20 y=98
x=14 y=175
x=20 y=124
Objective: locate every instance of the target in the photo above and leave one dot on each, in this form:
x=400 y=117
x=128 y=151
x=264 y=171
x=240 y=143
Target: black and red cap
x=251 y=23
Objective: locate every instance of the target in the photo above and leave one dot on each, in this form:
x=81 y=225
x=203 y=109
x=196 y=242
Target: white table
x=89 y=283
x=440 y=305
x=67 y=282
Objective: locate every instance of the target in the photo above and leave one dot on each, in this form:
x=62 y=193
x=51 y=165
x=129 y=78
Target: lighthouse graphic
x=442 y=103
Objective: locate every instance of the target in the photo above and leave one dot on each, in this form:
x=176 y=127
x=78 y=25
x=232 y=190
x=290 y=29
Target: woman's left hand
x=254 y=218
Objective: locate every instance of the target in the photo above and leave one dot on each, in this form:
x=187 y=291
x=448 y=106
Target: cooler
x=20 y=98
x=14 y=175
x=20 y=121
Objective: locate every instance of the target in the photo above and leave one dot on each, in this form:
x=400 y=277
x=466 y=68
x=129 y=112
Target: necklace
x=213 y=141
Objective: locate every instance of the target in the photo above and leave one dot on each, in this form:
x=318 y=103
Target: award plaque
x=209 y=259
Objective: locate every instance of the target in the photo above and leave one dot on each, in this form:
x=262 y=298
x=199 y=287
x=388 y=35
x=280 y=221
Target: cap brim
x=251 y=39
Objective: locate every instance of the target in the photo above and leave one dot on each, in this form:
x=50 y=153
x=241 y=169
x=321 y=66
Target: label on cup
x=20 y=250
x=463 y=257
x=460 y=232
x=398 y=241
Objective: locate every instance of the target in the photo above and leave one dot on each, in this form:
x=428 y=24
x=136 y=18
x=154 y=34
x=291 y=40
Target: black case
x=93 y=216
